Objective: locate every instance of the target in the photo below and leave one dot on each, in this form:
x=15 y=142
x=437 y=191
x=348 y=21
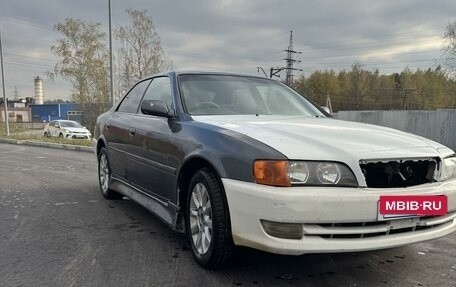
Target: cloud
x=235 y=35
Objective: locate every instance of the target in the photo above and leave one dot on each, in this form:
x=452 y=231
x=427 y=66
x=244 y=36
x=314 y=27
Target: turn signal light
x=271 y=172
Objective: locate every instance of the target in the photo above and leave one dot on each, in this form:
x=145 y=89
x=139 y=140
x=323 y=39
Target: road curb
x=48 y=145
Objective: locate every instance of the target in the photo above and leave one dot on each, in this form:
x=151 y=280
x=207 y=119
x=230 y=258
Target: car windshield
x=70 y=125
x=237 y=95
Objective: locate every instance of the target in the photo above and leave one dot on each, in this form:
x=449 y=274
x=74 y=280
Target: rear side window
x=131 y=101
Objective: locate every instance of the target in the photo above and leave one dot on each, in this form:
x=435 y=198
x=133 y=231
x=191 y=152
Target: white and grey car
x=66 y=129
x=236 y=160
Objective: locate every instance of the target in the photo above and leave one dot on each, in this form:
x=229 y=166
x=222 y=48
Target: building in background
x=18 y=111
x=36 y=110
x=16 y=115
x=55 y=111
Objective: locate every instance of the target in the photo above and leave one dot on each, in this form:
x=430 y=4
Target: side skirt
x=166 y=211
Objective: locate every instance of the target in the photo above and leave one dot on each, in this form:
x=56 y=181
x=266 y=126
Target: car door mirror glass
x=155 y=108
x=326 y=109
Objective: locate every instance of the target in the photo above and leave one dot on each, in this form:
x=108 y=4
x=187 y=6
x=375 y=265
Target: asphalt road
x=57 y=230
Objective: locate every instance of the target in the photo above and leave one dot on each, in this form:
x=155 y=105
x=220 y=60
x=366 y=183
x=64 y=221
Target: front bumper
x=81 y=136
x=334 y=219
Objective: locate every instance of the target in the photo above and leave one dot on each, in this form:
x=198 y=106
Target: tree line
x=362 y=89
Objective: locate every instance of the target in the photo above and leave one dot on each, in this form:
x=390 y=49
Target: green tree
x=359 y=88
x=359 y=84
x=83 y=59
x=318 y=85
x=141 y=53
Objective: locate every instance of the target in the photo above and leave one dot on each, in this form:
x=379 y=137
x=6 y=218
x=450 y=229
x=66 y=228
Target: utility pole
x=274 y=72
x=110 y=56
x=261 y=69
x=5 y=102
x=328 y=103
x=405 y=105
x=290 y=61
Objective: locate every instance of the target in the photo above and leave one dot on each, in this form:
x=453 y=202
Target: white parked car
x=66 y=129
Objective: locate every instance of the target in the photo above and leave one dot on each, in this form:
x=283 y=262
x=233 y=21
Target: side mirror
x=326 y=109
x=155 y=108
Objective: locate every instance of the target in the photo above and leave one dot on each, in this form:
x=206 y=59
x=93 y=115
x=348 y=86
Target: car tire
x=104 y=176
x=46 y=135
x=61 y=135
x=207 y=221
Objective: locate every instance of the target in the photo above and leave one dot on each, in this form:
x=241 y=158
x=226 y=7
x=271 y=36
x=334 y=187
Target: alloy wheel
x=104 y=173
x=201 y=218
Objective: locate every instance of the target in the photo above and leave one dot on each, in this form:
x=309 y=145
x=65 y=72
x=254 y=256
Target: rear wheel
x=60 y=135
x=207 y=221
x=104 y=176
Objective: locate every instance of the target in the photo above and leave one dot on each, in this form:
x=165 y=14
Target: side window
x=160 y=89
x=131 y=101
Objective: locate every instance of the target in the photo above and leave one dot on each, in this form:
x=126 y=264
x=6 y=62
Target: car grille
x=377 y=228
x=398 y=173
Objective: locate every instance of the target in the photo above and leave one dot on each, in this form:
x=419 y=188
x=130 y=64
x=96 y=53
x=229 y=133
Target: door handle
x=132 y=132
x=108 y=125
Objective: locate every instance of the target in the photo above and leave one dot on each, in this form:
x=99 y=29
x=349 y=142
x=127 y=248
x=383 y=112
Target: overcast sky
x=237 y=36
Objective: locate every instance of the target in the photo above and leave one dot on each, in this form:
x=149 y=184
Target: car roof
x=67 y=121
x=192 y=72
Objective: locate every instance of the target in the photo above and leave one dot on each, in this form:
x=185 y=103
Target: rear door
x=149 y=145
x=117 y=128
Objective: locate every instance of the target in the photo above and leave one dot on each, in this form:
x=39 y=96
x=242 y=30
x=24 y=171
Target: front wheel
x=207 y=221
x=104 y=176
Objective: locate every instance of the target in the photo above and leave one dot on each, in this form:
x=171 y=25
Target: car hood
x=327 y=138
x=79 y=130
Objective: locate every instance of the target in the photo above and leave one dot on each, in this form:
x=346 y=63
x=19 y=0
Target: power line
x=353 y=46
x=360 y=55
x=29 y=38
x=378 y=64
x=28 y=22
x=29 y=65
x=31 y=57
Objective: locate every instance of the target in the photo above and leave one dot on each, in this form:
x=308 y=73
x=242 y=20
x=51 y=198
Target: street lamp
x=5 y=103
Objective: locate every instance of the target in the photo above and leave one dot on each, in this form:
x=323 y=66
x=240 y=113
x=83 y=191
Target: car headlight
x=297 y=172
x=328 y=173
x=288 y=173
x=67 y=131
x=448 y=168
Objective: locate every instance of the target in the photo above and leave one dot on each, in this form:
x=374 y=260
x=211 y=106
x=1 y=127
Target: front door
x=148 y=147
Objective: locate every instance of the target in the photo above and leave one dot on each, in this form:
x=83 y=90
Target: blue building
x=56 y=111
